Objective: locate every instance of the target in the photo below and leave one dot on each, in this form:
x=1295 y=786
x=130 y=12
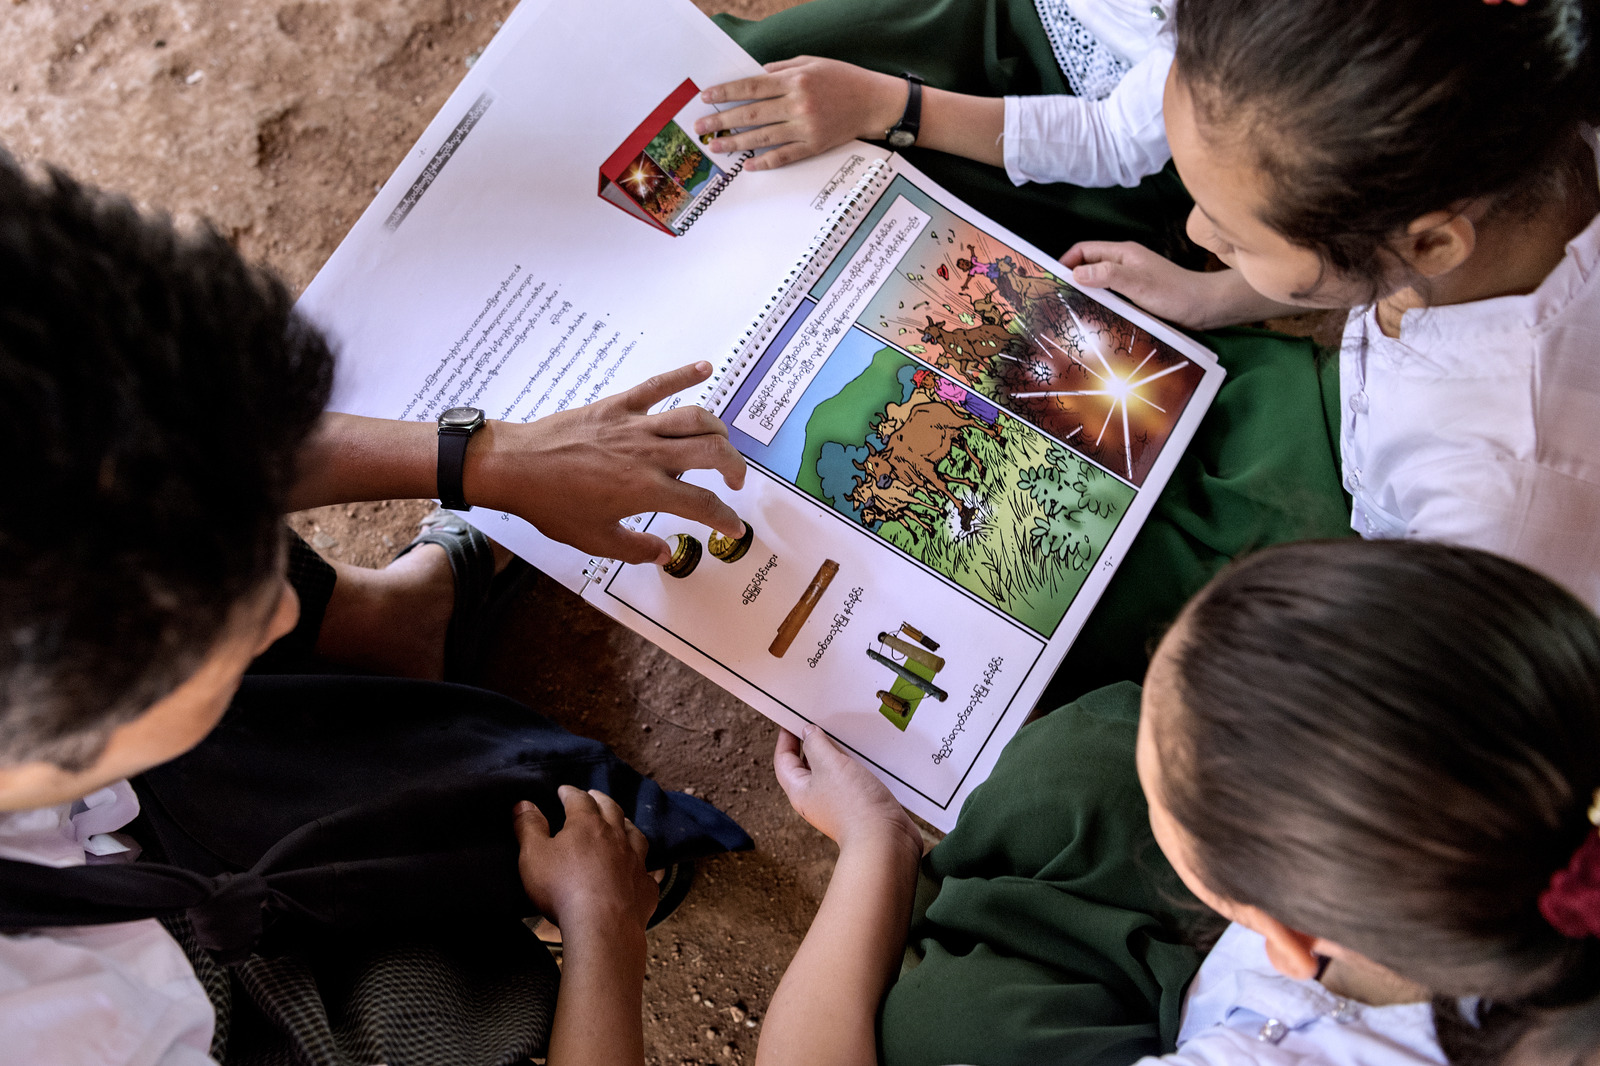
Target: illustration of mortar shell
x=908 y=677
x=730 y=549
x=802 y=610
x=685 y=556
x=893 y=702
x=913 y=652
x=916 y=634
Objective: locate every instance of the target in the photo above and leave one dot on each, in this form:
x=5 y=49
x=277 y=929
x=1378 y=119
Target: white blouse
x=104 y=995
x=1480 y=424
x=1240 y=1010
x=1115 y=54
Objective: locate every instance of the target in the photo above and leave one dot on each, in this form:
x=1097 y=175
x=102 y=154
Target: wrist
x=612 y=927
x=891 y=841
x=888 y=105
x=489 y=472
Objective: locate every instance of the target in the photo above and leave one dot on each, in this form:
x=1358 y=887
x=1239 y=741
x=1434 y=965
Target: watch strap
x=911 y=120
x=452 y=463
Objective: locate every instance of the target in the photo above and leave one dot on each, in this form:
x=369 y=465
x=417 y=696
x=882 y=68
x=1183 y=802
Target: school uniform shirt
x=1241 y=1010
x=1115 y=54
x=104 y=995
x=1480 y=424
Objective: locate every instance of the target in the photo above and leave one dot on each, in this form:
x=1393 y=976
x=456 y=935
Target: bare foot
x=393 y=621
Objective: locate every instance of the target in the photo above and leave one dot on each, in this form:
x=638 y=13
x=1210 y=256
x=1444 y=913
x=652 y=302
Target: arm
x=826 y=1006
x=1119 y=140
x=804 y=106
x=589 y=880
x=1193 y=298
x=573 y=475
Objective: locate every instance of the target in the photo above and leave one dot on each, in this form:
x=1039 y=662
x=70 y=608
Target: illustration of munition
x=913 y=652
x=894 y=703
x=917 y=635
x=802 y=610
x=915 y=680
x=913 y=677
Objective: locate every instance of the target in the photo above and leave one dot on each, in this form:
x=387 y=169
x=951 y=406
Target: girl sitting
x=1377 y=760
x=1050 y=90
x=1432 y=162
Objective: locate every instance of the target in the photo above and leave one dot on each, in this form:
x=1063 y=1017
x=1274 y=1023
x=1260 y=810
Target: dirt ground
x=278 y=120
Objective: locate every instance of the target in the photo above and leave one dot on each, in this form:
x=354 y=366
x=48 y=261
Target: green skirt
x=984 y=48
x=1059 y=934
x=1264 y=466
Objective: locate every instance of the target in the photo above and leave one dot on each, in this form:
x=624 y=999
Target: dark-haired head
x=1389 y=746
x=154 y=390
x=1363 y=116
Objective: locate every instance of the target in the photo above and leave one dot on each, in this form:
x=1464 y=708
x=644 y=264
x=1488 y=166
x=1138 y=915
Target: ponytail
x=1395 y=745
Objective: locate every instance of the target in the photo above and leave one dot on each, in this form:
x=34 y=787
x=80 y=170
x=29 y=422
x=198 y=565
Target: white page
x=511 y=232
x=853 y=340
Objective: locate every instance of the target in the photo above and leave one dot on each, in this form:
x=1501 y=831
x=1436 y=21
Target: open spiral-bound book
x=950 y=446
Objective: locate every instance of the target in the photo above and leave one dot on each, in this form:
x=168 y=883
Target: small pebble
x=194 y=78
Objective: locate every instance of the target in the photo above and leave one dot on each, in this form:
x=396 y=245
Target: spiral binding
x=706 y=198
x=731 y=370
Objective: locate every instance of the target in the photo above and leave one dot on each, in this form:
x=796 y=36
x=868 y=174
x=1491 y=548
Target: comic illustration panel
x=934 y=468
x=1010 y=330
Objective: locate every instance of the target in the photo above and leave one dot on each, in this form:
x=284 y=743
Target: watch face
x=462 y=417
x=902 y=138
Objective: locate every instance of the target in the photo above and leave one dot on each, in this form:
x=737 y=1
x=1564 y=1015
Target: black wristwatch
x=903 y=134
x=456 y=427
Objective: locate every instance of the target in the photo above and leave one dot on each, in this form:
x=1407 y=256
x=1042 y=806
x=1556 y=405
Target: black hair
x=1367 y=114
x=154 y=390
x=1393 y=745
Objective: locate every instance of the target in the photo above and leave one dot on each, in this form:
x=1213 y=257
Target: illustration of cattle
x=967 y=352
x=885 y=501
x=905 y=471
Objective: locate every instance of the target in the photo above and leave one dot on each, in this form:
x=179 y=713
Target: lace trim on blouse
x=1091 y=68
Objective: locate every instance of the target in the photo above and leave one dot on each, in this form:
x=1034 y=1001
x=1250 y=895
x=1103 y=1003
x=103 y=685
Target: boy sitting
x=161 y=406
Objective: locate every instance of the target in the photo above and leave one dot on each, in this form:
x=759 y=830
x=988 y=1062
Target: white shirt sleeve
x=1544 y=519
x=1093 y=143
x=111 y=995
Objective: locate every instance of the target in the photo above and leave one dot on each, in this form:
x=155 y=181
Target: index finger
x=703 y=506
x=609 y=808
x=647 y=394
x=1091 y=252
x=756 y=87
x=575 y=801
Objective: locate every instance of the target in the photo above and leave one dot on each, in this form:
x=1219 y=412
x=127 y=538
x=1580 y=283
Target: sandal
x=671 y=891
x=481 y=595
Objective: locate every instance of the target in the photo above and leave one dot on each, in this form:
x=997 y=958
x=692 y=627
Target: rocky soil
x=277 y=121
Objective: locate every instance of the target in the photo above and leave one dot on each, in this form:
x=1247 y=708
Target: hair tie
x=1572 y=902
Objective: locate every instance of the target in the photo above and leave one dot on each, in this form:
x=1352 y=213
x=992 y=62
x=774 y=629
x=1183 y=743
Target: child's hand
x=803 y=106
x=838 y=795
x=591 y=874
x=1193 y=298
x=1155 y=283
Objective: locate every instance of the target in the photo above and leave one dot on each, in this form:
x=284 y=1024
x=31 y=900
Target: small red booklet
x=662 y=173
